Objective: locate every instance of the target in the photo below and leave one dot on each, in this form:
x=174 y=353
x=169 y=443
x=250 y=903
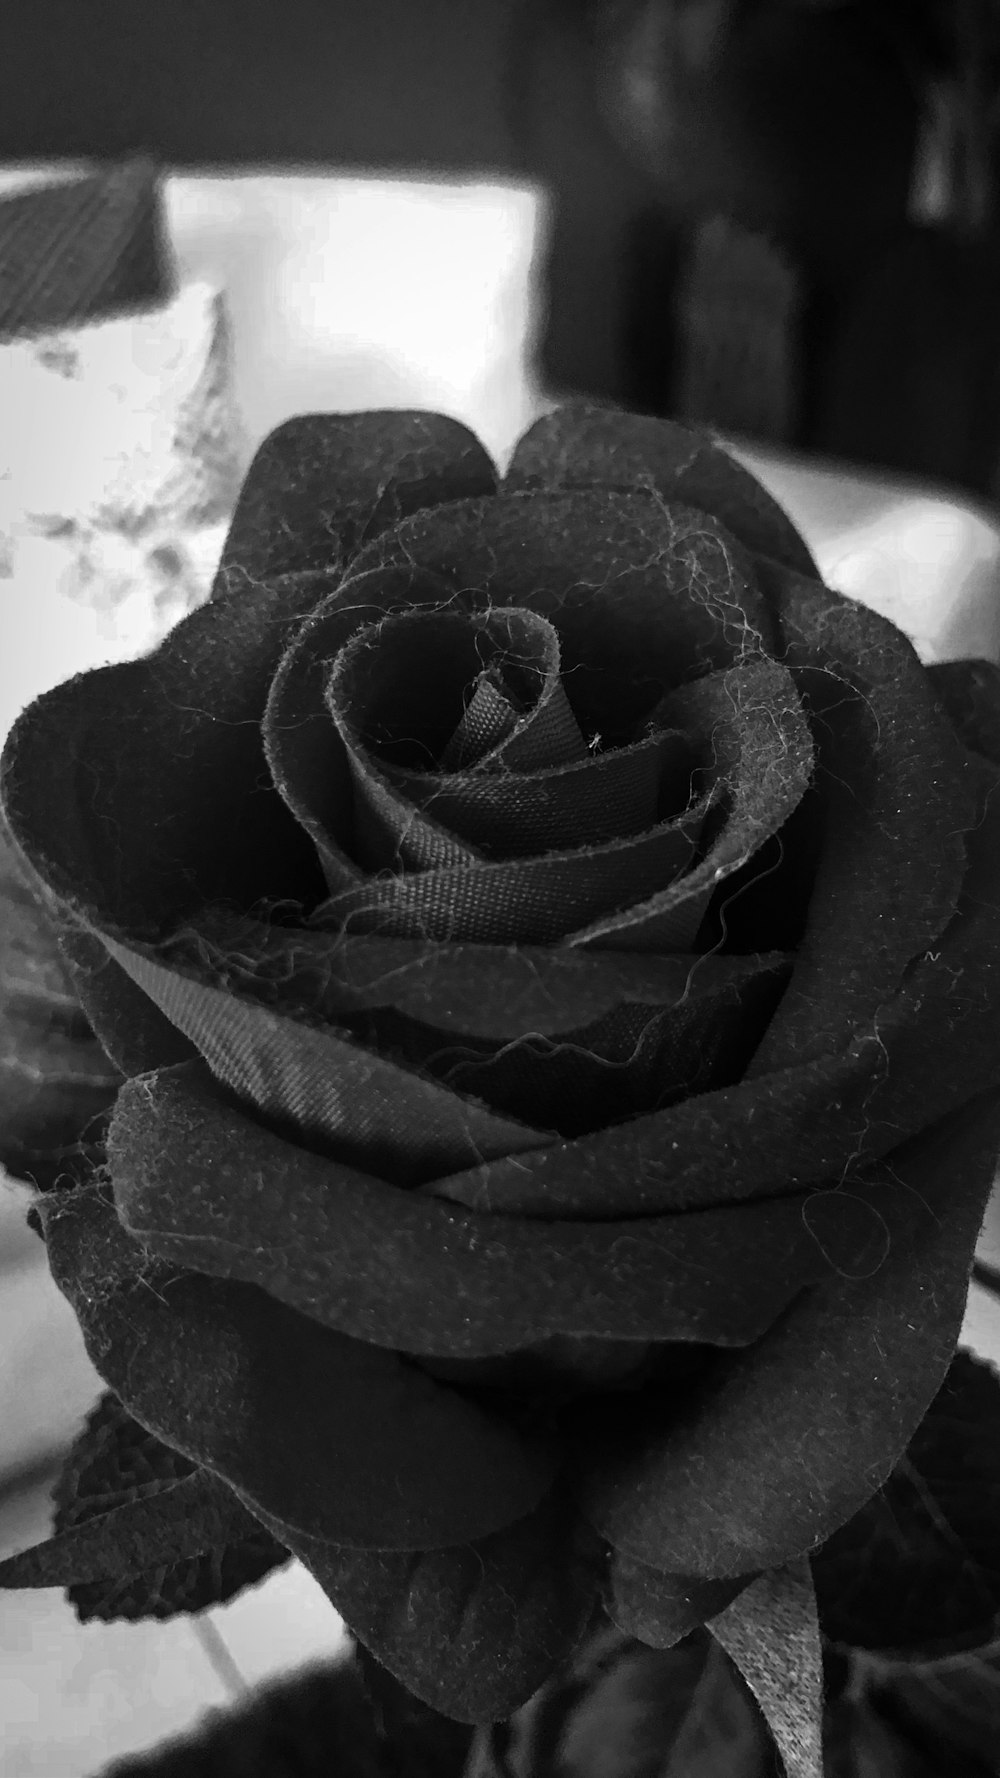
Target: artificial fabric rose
x=554 y=943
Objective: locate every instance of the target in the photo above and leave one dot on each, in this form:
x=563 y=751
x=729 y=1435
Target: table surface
x=348 y=292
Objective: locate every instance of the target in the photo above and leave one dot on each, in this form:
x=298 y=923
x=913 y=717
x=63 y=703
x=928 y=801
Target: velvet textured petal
x=899 y=801
x=931 y=1047
x=761 y=761
x=114 y=1462
x=55 y=1079
x=659 y=1609
x=198 y=1182
x=582 y=445
x=476 y=1629
x=182 y=1521
x=139 y=792
x=320 y=485
x=915 y=1575
x=335 y=1438
x=793 y=1435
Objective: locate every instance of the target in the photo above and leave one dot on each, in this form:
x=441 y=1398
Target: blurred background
x=775 y=215
x=774 y=218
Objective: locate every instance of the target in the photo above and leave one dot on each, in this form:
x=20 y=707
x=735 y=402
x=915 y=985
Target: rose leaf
x=917 y=1570
x=140 y=1532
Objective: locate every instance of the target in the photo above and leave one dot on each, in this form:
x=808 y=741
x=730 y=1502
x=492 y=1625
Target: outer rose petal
x=329 y=1435
x=167 y=750
x=792 y=1436
x=476 y=1629
x=55 y=1079
x=323 y=484
x=407 y=1270
x=899 y=801
x=581 y=445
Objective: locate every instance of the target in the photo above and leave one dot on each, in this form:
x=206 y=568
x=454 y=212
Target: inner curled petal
x=514 y=776
x=750 y=724
x=644 y=596
x=645 y=892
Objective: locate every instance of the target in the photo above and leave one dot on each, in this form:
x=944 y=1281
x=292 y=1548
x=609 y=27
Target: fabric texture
x=77 y=249
x=527 y=1221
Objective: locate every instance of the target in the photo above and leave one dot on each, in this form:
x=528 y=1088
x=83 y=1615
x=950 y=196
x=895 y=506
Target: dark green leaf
x=917 y=1570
